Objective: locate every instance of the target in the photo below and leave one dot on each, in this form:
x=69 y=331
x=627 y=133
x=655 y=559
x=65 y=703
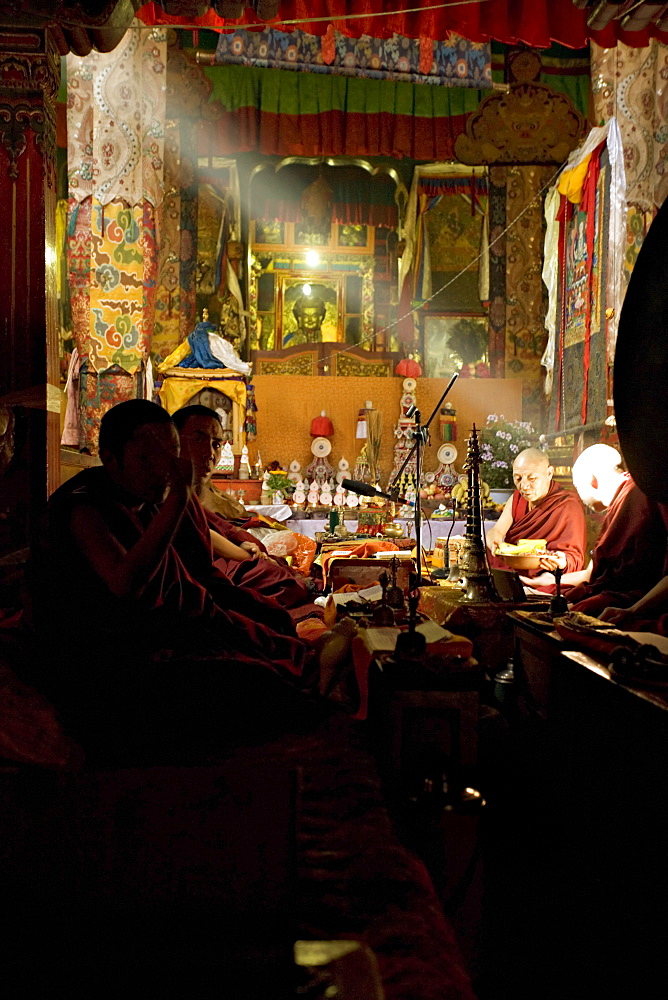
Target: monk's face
x=202 y=440
x=145 y=466
x=532 y=478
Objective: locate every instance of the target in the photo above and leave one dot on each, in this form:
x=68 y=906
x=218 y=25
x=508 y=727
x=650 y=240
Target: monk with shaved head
x=628 y=557
x=540 y=508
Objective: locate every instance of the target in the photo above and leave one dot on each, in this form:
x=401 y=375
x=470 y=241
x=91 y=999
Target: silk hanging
x=116 y=120
x=532 y=22
x=277 y=112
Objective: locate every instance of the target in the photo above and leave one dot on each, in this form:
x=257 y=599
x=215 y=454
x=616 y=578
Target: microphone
x=363 y=489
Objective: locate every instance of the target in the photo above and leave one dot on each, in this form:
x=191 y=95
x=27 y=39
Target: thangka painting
x=454 y=232
x=581 y=364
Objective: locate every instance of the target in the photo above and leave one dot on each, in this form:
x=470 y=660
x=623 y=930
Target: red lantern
x=322 y=426
x=408 y=368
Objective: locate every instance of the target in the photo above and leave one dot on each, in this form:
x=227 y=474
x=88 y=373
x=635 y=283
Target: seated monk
x=540 y=508
x=628 y=557
x=648 y=614
x=128 y=563
x=237 y=553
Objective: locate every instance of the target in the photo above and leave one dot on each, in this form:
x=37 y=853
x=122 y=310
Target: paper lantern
x=408 y=367
x=322 y=426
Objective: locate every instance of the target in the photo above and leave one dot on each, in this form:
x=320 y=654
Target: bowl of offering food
x=525 y=555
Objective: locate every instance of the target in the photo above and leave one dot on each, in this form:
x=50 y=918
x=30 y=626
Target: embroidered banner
x=116 y=120
x=581 y=378
x=112 y=263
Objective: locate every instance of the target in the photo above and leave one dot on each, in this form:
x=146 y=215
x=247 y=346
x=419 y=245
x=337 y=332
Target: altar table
x=431 y=529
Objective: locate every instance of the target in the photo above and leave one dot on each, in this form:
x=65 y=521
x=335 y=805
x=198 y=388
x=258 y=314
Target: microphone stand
x=420 y=436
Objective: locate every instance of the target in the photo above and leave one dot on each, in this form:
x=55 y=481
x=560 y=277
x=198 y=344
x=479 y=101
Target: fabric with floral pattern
x=453 y=62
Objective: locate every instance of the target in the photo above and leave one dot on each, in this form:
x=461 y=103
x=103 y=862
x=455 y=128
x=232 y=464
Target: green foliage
x=501 y=441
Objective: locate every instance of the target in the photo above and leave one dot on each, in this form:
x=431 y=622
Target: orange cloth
x=304 y=554
x=363 y=550
x=350 y=588
x=310 y=630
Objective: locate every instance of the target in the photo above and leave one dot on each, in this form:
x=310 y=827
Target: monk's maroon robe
x=559 y=518
x=266 y=576
x=187 y=605
x=188 y=665
x=628 y=558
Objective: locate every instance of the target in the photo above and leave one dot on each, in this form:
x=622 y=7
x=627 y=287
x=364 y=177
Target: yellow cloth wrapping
x=181 y=352
x=572 y=181
x=179 y=386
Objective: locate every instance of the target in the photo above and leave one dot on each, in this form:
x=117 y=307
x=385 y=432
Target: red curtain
x=535 y=22
x=331 y=133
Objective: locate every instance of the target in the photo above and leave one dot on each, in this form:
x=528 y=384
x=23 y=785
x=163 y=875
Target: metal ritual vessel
x=394 y=594
x=558 y=604
x=478 y=582
x=383 y=615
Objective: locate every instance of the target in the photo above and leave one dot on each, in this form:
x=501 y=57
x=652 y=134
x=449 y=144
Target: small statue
x=226 y=460
x=244 y=464
x=206 y=348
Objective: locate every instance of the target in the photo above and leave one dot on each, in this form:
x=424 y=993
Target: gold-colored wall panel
x=288 y=403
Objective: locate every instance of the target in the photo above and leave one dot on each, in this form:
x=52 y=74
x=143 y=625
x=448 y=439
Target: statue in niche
x=207 y=349
x=309 y=311
x=316 y=209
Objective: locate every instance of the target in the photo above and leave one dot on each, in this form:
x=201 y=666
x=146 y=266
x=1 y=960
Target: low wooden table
x=595 y=752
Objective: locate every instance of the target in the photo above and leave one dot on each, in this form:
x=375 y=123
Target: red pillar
x=29 y=378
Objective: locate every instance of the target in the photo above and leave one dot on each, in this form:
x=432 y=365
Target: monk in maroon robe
x=540 y=508
x=629 y=555
x=129 y=572
x=237 y=553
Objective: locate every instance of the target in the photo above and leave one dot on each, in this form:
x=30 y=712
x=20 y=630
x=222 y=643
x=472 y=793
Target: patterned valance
x=455 y=62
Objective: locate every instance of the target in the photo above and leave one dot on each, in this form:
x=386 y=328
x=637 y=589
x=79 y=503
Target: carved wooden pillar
x=29 y=77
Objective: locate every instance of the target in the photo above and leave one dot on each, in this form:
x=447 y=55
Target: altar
x=432 y=528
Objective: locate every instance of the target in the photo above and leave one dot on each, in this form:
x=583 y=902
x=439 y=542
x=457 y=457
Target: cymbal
x=641 y=365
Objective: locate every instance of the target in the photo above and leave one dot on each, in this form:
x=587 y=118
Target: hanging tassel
x=426 y=55
x=251 y=410
x=328 y=46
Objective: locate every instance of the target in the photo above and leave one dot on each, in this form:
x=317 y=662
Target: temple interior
x=334 y=498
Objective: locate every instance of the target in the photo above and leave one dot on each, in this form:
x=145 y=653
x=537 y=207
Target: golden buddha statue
x=309 y=311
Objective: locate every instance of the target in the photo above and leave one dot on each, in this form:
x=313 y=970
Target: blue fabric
x=456 y=62
x=200 y=356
